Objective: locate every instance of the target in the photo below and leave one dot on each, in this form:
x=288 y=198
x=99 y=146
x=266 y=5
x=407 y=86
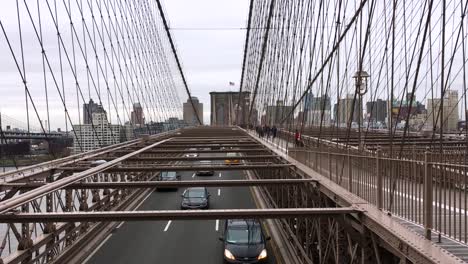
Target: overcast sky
x=211 y=58
x=209 y=35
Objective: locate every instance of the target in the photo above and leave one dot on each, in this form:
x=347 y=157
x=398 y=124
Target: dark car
x=195 y=198
x=208 y=171
x=244 y=241
x=168 y=176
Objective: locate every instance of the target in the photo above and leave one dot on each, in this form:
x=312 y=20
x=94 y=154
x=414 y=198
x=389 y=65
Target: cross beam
x=173 y=215
x=183 y=168
x=176 y=151
x=251 y=157
x=209 y=146
x=152 y=184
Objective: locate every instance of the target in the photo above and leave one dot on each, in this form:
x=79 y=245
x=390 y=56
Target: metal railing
x=423 y=188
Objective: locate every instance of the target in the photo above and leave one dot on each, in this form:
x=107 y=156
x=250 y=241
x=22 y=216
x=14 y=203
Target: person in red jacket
x=297 y=137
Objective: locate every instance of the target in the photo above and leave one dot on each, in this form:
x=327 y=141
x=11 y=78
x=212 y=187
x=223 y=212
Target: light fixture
x=229 y=255
x=262 y=255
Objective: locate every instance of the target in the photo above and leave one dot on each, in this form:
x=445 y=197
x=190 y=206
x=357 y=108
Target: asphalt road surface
x=186 y=241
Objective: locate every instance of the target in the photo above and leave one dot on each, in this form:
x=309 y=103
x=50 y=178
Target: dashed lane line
x=167 y=225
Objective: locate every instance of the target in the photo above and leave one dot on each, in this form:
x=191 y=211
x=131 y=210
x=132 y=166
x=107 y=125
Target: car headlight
x=262 y=255
x=229 y=255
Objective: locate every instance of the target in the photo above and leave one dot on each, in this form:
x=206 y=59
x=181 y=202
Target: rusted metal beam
x=151 y=184
x=204 y=151
x=102 y=216
x=185 y=146
x=251 y=157
x=158 y=167
x=60 y=184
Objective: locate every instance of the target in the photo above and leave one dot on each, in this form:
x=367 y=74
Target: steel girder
x=173 y=215
x=161 y=167
x=153 y=184
x=182 y=151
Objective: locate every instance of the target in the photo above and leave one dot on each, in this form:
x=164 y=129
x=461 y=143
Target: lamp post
x=360 y=81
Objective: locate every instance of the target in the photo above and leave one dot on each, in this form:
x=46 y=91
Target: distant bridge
x=14 y=135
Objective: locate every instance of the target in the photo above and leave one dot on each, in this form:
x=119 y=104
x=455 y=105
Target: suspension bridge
x=346 y=140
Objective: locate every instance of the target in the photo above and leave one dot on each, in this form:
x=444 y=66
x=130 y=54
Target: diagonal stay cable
x=329 y=57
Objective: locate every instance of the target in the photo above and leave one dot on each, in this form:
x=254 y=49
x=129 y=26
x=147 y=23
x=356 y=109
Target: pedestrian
x=297 y=137
x=268 y=130
x=273 y=132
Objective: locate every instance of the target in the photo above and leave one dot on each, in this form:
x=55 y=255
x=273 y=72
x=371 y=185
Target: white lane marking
x=167 y=226
x=138 y=206
x=219 y=192
x=97 y=248
x=220 y=174
x=193 y=175
x=217 y=225
x=144 y=199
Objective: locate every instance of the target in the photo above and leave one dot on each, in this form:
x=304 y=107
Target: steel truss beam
x=151 y=184
x=181 y=151
x=251 y=157
x=213 y=138
x=174 y=215
x=47 y=167
x=182 y=168
x=60 y=184
x=209 y=145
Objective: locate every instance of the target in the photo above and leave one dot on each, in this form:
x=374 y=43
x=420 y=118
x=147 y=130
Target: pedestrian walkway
x=457 y=248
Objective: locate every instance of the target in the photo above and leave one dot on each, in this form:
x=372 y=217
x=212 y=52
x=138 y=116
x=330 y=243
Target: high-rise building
x=89 y=109
x=189 y=115
x=137 y=118
x=224 y=106
x=377 y=110
x=318 y=110
x=450 y=111
x=276 y=113
x=97 y=134
x=344 y=109
x=406 y=109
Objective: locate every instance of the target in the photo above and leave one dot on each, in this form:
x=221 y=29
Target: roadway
x=175 y=241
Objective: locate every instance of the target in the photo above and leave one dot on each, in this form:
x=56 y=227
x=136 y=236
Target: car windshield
x=231 y=154
x=194 y=193
x=243 y=235
x=168 y=175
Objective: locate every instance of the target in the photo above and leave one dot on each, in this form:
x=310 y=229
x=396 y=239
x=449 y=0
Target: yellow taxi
x=232 y=158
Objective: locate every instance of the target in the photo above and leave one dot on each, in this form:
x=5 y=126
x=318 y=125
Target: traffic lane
x=175 y=241
x=132 y=241
x=206 y=248
x=165 y=242
x=238 y=198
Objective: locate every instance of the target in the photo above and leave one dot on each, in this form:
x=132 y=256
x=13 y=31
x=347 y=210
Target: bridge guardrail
x=420 y=188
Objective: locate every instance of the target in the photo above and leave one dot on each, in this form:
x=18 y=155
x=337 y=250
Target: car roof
x=196 y=188
x=242 y=222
